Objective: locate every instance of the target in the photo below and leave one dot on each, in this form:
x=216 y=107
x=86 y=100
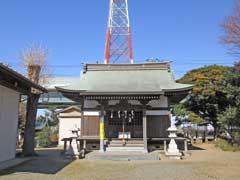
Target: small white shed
x=69 y=119
x=8 y=122
x=12 y=85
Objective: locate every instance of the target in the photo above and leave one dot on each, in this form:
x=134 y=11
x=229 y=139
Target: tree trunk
x=232 y=135
x=215 y=126
x=29 y=135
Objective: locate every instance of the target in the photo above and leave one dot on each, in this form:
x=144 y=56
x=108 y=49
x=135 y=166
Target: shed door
x=91 y=126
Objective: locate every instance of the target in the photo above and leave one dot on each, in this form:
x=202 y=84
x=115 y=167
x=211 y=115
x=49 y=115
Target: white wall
x=66 y=124
x=91 y=113
x=9 y=102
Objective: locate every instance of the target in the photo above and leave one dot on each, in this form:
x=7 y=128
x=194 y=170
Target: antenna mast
x=119 y=40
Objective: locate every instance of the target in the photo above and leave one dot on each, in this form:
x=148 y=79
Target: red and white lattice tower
x=119 y=41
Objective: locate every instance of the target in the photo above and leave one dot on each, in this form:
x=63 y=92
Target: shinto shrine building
x=124 y=102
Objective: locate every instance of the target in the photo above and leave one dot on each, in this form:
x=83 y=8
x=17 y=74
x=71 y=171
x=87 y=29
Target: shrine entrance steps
x=122 y=156
x=118 y=145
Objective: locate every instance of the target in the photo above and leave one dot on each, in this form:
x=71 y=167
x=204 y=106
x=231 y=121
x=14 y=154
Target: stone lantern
x=173 y=151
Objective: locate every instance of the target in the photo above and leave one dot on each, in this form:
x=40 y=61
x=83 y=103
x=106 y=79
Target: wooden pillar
x=84 y=147
x=102 y=133
x=185 y=146
x=82 y=118
x=65 y=147
x=145 y=128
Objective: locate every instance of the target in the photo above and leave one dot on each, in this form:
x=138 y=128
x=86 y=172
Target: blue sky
x=184 y=31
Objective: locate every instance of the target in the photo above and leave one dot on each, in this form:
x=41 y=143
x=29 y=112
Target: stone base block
x=177 y=156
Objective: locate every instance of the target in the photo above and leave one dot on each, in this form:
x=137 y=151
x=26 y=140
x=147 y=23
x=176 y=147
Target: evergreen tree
x=229 y=119
x=206 y=100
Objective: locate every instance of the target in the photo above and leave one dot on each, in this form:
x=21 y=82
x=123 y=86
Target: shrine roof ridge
x=127 y=67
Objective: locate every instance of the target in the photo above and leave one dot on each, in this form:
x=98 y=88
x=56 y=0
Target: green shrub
x=226 y=146
x=44 y=138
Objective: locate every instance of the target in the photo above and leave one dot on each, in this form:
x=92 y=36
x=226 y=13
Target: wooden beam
x=82 y=118
x=123 y=97
x=17 y=77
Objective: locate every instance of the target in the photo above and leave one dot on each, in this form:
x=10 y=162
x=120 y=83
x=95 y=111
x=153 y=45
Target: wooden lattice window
x=138 y=118
x=130 y=120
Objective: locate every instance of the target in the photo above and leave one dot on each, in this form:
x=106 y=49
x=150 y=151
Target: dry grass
x=207 y=164
x=226 y=146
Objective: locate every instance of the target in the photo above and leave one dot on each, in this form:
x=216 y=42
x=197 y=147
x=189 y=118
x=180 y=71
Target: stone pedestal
x=73 y=149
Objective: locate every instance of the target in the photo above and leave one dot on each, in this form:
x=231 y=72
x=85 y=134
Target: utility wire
x=184 y=62
x=174 y=64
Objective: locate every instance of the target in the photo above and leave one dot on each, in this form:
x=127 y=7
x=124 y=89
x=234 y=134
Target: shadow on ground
x=49 y=161
x=193 y=147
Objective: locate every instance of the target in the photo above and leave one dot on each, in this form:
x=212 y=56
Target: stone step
x=122 y=156
x=125 y=149
x=127 y=145
x=121 y=144
x=127 y=142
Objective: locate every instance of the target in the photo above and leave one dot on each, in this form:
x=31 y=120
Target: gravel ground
x=207 y=164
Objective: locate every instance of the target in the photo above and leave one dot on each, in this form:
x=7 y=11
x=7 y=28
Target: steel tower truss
x=119 y=41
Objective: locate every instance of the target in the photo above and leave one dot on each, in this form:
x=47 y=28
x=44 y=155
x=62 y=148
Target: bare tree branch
x=36 y=56
x=231 y=27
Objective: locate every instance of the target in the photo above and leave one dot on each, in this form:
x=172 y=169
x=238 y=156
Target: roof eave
x=68 y=108
x=21 y=78
x=85 y=92
x=122 y=93
x=189 y=88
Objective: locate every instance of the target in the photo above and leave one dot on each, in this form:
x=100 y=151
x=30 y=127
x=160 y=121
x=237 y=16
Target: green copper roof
x=62 y=81
x=118 y=80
